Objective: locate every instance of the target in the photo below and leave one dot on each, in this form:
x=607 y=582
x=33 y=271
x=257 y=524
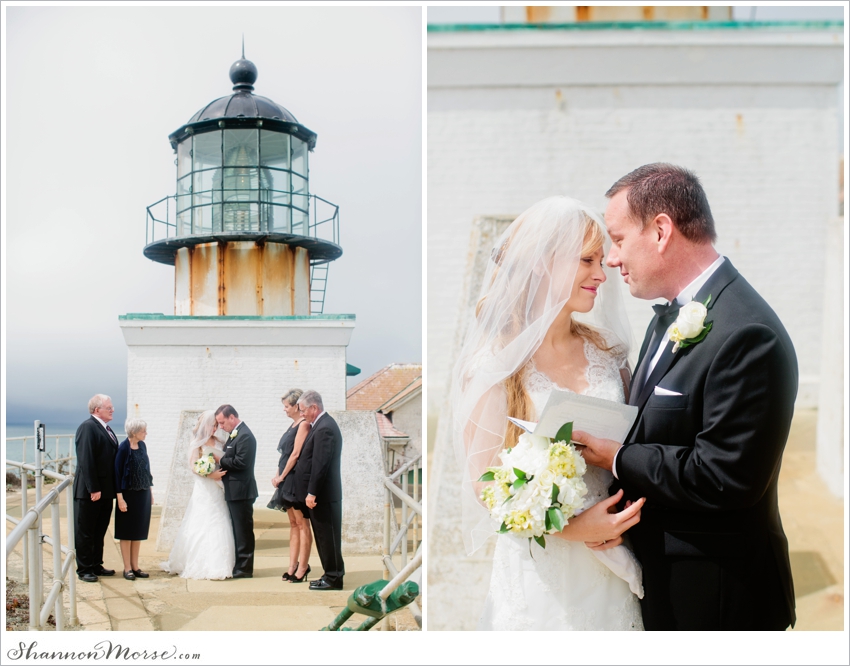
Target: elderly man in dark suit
x=94 y=488
x=715 y=388
x=319 y=486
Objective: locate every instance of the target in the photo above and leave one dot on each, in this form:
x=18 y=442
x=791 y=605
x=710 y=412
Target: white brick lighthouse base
x=197 y=363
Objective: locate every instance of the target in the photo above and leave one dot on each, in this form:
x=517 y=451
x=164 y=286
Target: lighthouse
x=243 y=231
x=250 y=247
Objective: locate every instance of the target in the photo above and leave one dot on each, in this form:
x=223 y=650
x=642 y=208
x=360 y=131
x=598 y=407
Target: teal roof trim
x=584 y=26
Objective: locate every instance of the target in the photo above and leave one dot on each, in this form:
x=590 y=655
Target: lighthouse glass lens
x=274 y=149
x=207 y=150
x=184 y=157
x=240 y=147
x=299 y=156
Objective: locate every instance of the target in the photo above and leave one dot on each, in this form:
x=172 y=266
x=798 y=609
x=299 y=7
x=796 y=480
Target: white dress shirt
x=685 y=296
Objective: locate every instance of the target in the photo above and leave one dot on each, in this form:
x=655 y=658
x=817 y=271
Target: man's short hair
x=97 y=402
x=311 y=397
x=659 y=188
x=227 y=410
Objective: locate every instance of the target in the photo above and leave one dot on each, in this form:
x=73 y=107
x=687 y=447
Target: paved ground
x=813 y=519
x=170 y=603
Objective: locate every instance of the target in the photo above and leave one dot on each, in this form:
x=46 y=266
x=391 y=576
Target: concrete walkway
x=165 y=602
x=813 y=519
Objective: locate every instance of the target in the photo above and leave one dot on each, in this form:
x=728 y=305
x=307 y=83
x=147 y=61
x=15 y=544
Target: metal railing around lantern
x=316 y=218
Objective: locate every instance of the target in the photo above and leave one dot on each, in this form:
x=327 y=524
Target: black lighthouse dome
x=243 y=108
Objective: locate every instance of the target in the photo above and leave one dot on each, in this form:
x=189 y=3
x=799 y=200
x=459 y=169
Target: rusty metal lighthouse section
x=243 y=232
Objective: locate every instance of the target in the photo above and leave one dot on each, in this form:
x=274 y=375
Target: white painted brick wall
x=162 y=381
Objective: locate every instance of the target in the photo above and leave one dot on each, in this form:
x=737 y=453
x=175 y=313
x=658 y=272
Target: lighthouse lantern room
x=243 y=232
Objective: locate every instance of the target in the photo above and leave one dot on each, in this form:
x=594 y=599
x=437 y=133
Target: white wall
x=176 y=364
x=408 y=419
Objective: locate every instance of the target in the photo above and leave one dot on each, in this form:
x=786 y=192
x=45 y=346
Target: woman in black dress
x=133 y=483
x=300 y=535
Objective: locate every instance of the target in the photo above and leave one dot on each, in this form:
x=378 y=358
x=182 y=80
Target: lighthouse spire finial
x=243 y=72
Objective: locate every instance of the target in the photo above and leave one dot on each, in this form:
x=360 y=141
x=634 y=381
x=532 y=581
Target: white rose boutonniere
x=234 y=433
x=690 y=327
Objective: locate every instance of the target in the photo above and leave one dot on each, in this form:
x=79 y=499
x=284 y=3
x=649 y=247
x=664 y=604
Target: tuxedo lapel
x=667 y=360
x=714 y=287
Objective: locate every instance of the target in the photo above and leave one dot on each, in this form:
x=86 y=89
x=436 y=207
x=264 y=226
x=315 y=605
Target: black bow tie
x=667 y=312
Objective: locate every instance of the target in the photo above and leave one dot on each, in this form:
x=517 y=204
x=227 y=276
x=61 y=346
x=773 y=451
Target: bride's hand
x=275 y=481
x=601 y=524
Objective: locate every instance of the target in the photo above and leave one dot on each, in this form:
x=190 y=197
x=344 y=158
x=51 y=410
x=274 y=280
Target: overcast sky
x=91 y=95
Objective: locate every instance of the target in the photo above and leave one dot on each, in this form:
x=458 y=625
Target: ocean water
x=61 y=433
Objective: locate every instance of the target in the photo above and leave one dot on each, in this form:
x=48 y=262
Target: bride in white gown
x=545 y=322
x=204 y=547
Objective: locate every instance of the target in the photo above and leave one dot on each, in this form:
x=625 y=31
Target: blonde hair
x=291 y=397
x=519 y=402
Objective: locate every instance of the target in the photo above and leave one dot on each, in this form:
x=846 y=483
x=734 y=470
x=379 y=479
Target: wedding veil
x=527 y=282
x=201 y=433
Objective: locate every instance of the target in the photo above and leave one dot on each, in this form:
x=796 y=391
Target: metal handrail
x=30 y=525
x=411 y=516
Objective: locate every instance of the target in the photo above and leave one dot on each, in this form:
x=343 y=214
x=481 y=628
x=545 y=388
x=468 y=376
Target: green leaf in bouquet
x=541 y=541
x=519 y=483
x=565 y=433
x=504 y=529
x=519 y=473
x=556 y=517
x=555 y=492
x=548 y=522
x=487 y=476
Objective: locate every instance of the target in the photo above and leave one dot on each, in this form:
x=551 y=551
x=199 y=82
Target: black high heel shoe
x=288 y=576
x=294 y=579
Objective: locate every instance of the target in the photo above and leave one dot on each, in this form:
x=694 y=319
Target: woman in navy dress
x=300 y=536
x=133 y=483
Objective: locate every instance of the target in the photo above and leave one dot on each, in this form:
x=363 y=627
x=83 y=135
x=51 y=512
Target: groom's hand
x=311 y=501
x=217 y=475
x=595 y=450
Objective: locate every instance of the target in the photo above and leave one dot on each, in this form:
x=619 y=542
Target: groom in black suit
x=714 y=416
x=319 y=486
x=240 y=486
x=94 y=488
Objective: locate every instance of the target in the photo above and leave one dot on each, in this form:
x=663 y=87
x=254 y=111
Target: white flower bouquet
x=538 y=487
x=205 y=465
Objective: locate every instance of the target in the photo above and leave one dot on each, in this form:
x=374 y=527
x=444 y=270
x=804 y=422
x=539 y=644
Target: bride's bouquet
x=538 y=486
x=205 y=465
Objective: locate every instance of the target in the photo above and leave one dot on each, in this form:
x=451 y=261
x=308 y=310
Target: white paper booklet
x=600 y=418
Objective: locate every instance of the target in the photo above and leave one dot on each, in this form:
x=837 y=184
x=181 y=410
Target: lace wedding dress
x=564 y=586
x=204 y=547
